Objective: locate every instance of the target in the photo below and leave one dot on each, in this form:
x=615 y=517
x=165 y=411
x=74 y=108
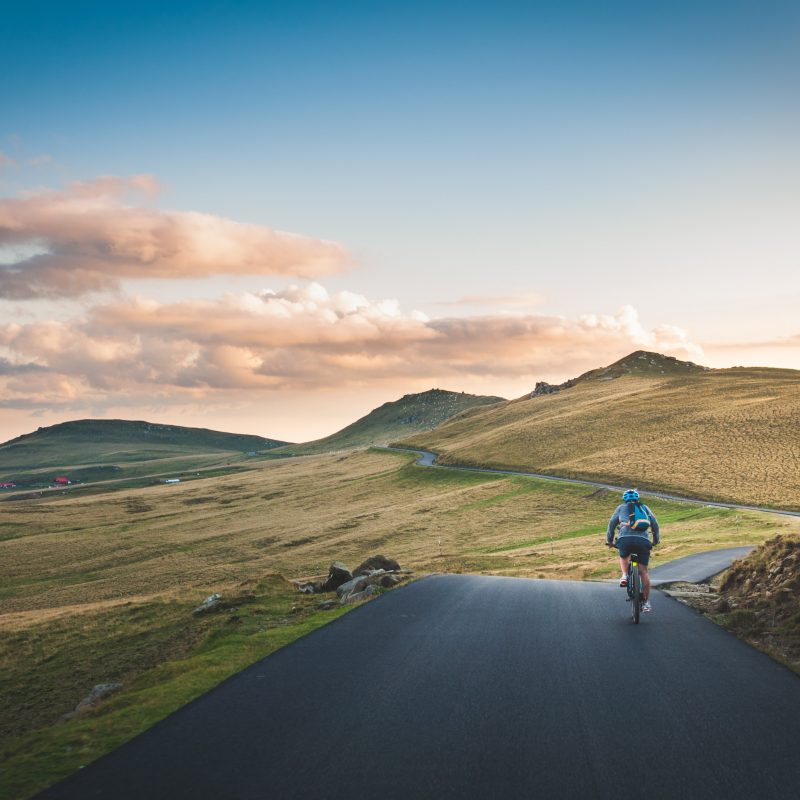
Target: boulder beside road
x=375 y=563
x=355 y=597
x=376 y=571
x=337 y=575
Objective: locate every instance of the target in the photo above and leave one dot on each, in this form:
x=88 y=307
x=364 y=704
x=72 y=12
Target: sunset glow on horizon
x=271 y=218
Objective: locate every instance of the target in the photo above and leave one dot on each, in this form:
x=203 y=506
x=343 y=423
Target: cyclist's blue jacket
x=620 y=518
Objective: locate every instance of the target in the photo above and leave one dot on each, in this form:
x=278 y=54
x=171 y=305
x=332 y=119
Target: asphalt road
x=481 y=687
x=697 y=568
x=428 y=459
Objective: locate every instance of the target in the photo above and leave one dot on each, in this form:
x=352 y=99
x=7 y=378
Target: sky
x=272 y=217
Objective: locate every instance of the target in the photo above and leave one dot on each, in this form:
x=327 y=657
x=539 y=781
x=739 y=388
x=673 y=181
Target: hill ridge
x=639 y=362
x=644 y=362
x=410 y=414
x=102 y=449
x=726 y=434
x=99 y=425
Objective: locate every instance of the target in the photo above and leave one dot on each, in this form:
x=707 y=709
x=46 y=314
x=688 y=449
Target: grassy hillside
x=395 y=420
x=96 y=589
x=651 y=422
x=99 y=450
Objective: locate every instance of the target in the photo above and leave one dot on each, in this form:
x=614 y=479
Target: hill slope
x=731 y=434
x=410 y=414
x=96 y=444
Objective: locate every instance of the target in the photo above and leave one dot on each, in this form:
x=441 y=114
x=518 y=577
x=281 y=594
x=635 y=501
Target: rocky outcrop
x=337 y=575
x=543 y=388
x=374 y=563
x=352 y=586
x=376 y=573
x=768 y=580
x=355 y=597
x=640 y=362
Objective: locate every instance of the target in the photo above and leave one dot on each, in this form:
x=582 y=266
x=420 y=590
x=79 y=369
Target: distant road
x=697 y=568
x=428 y=459
x=467 y=687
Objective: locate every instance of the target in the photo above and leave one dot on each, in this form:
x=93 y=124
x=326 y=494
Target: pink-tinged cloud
x=93 y=238
x=788 y=342
x=518 y=300
x=301 y=339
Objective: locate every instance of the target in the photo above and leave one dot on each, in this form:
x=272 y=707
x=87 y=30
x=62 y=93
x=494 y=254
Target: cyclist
x=633 y=541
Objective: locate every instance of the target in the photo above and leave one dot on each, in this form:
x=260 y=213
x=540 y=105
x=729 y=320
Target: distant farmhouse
x=8 y=485
x=63 y=480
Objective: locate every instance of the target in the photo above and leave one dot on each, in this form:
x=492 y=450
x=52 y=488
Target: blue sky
x=591 y=155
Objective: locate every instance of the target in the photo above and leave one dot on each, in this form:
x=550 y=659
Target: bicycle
x=634 y=587
x=635 y=597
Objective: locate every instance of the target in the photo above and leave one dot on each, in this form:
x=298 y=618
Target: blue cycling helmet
x=630 y=495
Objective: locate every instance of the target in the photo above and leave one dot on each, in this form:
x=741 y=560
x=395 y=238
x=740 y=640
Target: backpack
x=637 y=517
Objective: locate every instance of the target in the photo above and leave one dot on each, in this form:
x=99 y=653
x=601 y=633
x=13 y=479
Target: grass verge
x=164 y=656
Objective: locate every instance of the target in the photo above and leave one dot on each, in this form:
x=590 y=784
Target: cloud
x=303 y=339
x=92 y=239
x=788 y=342
x=6 y=161
x=517 y=300
x=8 y=367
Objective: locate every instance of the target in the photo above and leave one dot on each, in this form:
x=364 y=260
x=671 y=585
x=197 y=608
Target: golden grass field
x=97 y=588
x=729 y=434
x=294 y=517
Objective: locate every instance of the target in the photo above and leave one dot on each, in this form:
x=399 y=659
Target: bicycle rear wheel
x=636 y=592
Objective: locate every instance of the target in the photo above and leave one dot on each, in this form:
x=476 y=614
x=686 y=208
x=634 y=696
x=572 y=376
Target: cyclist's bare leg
x=624 y=563
x=645 y=581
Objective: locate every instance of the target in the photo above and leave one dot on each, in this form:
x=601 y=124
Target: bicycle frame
x=634 y=588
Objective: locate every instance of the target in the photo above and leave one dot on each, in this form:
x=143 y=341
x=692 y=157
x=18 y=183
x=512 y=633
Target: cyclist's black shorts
x=635 y=544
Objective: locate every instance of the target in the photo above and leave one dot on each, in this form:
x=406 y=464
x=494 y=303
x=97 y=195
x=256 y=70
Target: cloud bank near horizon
x=88 y=238
x=300 y=339
x=124 y=352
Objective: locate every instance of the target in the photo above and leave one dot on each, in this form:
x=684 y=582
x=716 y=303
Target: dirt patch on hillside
x=758 y=599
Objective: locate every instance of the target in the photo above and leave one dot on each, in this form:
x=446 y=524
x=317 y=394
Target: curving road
x=691 y=569
x=428 y=459
x=480 y=687
x=699 y=567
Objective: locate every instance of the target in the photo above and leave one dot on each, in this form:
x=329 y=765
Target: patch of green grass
x=412 y=475
x=163 y=655
x=560 y=536
x=518 y=488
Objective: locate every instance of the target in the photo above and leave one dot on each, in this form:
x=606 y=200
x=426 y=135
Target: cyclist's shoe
x=646 y=607
x=623 y=581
